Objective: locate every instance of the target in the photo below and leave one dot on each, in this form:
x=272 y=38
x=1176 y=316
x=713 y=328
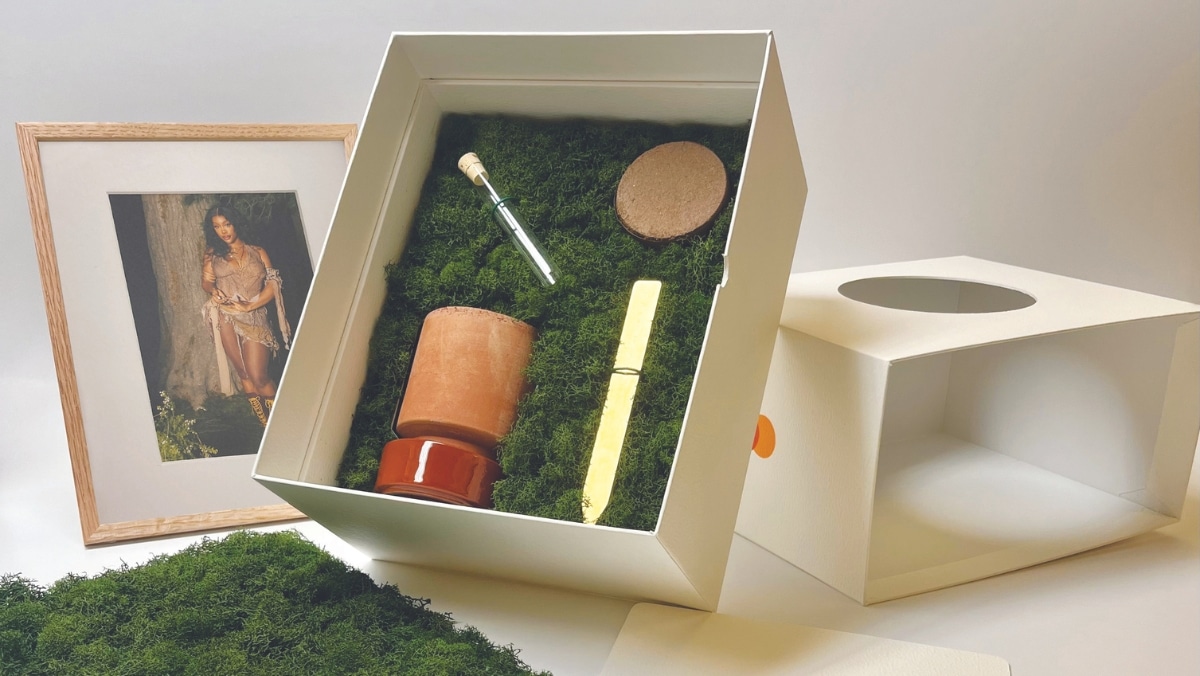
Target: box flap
x=705 y=486
x=598 y=559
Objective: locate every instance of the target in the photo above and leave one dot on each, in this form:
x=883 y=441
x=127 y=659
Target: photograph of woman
x=206 y=277
x=241 y=283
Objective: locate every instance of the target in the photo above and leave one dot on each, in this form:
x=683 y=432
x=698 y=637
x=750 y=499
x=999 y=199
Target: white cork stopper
x=470 y=165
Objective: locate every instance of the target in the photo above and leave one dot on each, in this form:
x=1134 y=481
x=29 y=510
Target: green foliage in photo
x=177 y=438
x=229 y=424
x=223 y=426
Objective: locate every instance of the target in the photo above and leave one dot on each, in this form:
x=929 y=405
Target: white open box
x=721 y=78
x=922 y=449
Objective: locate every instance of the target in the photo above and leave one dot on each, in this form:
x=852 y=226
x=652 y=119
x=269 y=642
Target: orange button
x=764 y=437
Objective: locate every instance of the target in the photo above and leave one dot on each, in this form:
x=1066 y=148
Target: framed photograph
x=175 y=262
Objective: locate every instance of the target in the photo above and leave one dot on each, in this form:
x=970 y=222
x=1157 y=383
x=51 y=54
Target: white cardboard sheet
x=664 y=641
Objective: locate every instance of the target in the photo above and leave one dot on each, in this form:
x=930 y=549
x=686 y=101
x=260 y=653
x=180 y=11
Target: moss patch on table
x=249 y=604
x=564 y=176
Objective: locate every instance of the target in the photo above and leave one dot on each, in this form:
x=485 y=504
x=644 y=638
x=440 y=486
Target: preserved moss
x=249 y=604
x=564 y=176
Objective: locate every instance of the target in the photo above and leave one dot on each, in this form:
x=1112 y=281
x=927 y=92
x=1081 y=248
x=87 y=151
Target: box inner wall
x=1017 y=444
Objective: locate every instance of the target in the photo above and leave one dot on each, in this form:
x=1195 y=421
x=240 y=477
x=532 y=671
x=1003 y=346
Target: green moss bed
x=564 y=176
x=249 y=604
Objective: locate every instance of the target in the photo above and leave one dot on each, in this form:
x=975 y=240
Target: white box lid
x=815 y=306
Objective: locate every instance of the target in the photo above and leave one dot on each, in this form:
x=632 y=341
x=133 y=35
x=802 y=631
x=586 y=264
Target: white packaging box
x=721 y=78
x=958 y=439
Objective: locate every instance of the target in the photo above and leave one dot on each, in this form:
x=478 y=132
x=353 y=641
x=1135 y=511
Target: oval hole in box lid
x=935 y=294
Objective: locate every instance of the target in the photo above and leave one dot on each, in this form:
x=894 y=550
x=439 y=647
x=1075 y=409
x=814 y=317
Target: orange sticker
x=764 y=437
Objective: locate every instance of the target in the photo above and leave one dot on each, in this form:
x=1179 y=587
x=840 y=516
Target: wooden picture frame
x=197 y=139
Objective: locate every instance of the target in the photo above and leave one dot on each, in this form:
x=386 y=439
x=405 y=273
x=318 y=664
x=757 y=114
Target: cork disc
x=671 y=191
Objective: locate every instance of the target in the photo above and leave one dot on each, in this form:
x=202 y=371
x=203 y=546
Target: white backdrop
x=1060 y=135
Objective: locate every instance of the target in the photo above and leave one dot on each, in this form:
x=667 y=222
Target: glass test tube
x=531 y=249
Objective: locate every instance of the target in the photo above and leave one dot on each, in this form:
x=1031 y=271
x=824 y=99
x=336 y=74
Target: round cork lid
x=671 y=191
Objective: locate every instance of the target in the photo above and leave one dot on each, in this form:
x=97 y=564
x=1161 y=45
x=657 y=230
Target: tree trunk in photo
x=176 y=238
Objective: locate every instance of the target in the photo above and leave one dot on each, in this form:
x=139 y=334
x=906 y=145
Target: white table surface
x=1058 y=136
x=1129 y=608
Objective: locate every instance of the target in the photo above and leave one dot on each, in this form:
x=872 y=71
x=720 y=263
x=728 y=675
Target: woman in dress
x=241 y=283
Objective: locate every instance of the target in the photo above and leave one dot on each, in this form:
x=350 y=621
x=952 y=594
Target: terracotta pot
x=467 y=376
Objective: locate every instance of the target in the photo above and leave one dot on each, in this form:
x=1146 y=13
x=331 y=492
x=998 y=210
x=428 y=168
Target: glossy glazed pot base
x=430 y=469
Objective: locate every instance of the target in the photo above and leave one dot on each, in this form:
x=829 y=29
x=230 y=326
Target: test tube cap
x=470 y=165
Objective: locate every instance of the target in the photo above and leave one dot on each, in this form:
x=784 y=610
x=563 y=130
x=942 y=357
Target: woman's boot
x=257 y=406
